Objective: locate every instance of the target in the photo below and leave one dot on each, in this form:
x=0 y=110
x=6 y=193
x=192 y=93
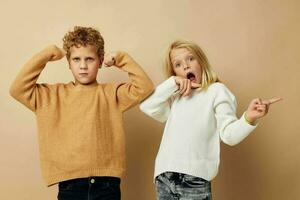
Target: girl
x=199 y=111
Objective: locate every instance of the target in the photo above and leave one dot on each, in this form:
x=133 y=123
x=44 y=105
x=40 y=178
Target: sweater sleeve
x=231 y=129
x=24 y=88
x=157 y=105
x=138 y=88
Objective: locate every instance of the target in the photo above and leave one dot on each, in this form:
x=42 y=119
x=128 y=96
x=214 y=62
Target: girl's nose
x=186 y=66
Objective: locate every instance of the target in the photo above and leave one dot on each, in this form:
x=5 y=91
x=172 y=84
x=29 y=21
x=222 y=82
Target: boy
x=80 y=128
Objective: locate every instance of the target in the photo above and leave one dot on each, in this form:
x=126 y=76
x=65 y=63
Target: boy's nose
x=83 y=65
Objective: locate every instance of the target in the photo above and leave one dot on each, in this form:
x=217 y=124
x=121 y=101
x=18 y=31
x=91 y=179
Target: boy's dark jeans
x=92 y=188
x=178 y=186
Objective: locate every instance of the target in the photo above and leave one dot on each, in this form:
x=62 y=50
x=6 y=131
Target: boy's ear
x=68 y=59
x=101 y=61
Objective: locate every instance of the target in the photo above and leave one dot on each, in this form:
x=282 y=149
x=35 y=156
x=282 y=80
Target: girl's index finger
x=195 y=85
x=274 y=100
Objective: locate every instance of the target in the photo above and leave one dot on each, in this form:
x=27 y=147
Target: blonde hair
x=208 y=74
x=82 y=36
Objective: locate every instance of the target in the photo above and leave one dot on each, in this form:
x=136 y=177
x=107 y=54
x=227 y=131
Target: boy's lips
x=83 y=74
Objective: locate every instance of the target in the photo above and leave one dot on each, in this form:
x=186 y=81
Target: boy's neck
x=91 y=84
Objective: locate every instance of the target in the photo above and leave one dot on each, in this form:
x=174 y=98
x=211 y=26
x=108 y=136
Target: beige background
x=253 y=45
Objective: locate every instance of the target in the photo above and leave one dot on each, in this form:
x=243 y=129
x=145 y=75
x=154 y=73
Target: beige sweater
x=80 y=127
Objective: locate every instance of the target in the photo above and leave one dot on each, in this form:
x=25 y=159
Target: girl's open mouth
x=191 y=76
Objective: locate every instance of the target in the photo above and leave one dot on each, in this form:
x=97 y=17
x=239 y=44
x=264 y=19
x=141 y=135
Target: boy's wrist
x=53 y=52
x=119 y=56
x=47 y=52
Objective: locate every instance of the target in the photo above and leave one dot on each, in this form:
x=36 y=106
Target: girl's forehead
x=179 y=53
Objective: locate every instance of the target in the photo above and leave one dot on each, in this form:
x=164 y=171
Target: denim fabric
x=92 y=188
x=178 y=186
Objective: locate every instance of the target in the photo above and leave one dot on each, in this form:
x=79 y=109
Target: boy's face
x=186 y=65
x=84 y=63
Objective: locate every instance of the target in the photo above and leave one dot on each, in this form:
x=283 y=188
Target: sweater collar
x=78 y=85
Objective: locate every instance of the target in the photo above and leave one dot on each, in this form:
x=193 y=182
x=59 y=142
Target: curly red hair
x=82 y=36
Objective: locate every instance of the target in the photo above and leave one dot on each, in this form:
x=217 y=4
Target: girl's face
x=185 y=65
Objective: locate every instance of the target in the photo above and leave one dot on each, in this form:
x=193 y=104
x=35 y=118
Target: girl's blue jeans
x=178 y=186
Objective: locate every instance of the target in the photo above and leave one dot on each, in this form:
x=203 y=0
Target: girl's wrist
x=249 y=120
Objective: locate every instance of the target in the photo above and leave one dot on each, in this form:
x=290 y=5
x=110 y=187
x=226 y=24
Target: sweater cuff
x=168 y=87
x=248 y=122
x=119 y=58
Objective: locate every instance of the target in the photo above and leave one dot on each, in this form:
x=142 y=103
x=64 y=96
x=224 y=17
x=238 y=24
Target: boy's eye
x=90 y=59
x=76 y=59
x=191 y=58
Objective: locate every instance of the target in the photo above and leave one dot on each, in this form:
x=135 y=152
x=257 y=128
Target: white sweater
x=194 y=127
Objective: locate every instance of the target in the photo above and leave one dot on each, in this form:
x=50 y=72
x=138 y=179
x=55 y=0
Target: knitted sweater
x=194 y=127
x=80 y=127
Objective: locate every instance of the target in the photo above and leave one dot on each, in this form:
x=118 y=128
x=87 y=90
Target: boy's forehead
x=83 y=49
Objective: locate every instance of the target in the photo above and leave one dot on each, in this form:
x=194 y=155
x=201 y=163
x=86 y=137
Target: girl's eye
x=90 y=59
x=76 y=59
x=191 y=58
x=177 y=65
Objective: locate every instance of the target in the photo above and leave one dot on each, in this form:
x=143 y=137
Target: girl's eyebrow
x=172 y=60
x=175 y=61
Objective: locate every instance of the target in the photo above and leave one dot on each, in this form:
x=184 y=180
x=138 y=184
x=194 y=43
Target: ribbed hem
x=54 y=179
x=204 y=168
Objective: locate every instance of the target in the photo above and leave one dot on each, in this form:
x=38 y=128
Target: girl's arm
x=231 y=129
x=158 y=105
x=24 y=88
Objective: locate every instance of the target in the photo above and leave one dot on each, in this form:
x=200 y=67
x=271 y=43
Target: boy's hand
x=56 y=52
x=185 y=85
x=259 y=108
x=109 y=59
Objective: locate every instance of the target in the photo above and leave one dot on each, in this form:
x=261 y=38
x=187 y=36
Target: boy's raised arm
x=24 y=86
x=138 y=88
